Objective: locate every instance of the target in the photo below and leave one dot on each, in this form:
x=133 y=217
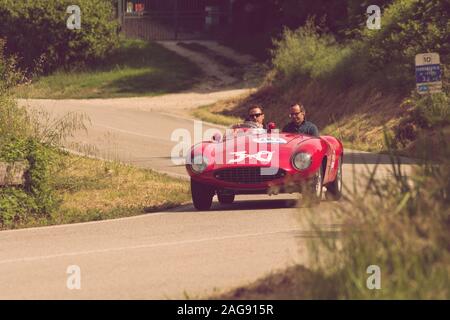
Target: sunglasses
x=255 y=115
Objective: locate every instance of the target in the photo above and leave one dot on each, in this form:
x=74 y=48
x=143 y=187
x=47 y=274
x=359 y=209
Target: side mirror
x=217 y=137
x=271 y=126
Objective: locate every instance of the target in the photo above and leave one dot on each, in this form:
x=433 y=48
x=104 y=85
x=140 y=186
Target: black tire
x=202 y=195
x=334 y=189
x=312 y=193
x=225 y=198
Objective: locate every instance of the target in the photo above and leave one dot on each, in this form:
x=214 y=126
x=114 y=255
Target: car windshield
x=242 y=129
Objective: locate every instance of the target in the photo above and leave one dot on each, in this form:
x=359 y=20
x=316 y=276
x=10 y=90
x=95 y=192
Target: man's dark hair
x=254 y=107
x=302 y=108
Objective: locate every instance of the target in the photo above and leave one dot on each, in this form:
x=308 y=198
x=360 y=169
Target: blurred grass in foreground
x=399 y=224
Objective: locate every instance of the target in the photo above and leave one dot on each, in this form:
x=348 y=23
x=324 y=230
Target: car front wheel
x=202 y=195
x=313 y=191
x=334 y=189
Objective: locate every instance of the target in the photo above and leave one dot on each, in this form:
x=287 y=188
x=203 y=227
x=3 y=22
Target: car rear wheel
x=313 y=191
x=334 y=189
x=225 y=198
x=202 y=195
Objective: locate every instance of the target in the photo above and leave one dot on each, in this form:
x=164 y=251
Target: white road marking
x=81 y=224
x=144 y=246
x=131 y=132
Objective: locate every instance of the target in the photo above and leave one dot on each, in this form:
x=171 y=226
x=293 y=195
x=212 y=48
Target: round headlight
x=302 y=161
x=199 y=163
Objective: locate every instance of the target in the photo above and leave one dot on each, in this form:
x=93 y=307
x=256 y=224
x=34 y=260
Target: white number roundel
x=262 y=156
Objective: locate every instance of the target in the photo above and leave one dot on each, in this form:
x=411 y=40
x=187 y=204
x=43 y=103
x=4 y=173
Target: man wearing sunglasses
x=298 y=122
x=256 y=116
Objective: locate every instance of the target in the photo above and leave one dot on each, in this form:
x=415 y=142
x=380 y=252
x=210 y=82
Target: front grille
x=247 y=175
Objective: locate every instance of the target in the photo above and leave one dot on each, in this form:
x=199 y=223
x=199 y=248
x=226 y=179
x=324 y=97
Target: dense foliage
x=409 y=27
x=256 y=22
x=387 y=55
x=36 y=31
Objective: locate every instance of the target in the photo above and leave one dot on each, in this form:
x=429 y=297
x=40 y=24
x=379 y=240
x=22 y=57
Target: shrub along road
x=176 y=254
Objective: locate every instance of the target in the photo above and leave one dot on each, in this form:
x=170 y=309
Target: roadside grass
x=359 y=116
x=224 y=112
x=348 y=116
x=92 y=190
x=136 y=68
x=359 y=132
x=206 y=114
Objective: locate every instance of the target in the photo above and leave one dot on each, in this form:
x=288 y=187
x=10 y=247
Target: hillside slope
x=362 y=88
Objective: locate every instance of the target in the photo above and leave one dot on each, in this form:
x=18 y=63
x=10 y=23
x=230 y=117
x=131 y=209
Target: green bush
x=36 y=31
x=12 y=149
x=37 y=198
x=311 y=54
x=306 y=53
x=38 y=179
x=16 y=206
x=18 y=142
x=13 y=120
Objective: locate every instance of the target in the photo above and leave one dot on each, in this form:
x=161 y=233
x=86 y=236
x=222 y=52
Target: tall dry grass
x=400 y=224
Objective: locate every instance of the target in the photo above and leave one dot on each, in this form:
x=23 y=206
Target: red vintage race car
x=257 y=161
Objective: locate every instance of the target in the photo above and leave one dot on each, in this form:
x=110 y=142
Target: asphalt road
x=169 y=255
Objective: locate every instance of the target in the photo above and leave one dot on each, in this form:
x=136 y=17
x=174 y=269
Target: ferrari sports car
x=248 y=160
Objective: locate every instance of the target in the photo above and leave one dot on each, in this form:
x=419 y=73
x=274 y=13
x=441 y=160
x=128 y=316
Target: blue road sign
x=428 y=73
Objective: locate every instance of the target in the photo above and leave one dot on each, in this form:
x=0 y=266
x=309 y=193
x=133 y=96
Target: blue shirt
x=306 y=127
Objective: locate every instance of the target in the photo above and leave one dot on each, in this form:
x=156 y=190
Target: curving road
x=177 y=254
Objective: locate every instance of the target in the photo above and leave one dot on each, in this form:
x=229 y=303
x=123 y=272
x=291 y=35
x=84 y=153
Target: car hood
x=282 y=139
x=259 y=150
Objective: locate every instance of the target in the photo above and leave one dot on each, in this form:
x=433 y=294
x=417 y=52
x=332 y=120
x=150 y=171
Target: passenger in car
x=298 y=123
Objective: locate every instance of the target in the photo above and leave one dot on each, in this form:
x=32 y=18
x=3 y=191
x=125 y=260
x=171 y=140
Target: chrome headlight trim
x=199 y=164
x=302 y=160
